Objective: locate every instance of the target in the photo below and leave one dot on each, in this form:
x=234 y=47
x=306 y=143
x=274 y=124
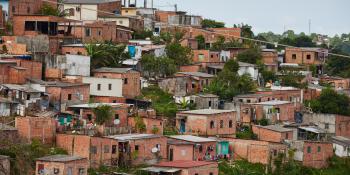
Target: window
x=158 y=147
x=318 y=149
x=294 y=56
x=89 y=116
x=28 y=96
x=13 y=9
x=309 y=149
x=200 y=57
x=69 y=96
x=81 y=171
x=77 y=9
x=114 y=149
x=120 y=22
x=212 y=124
x=248 y=101
x=87 y=32
x=56 y=171
x=70 y=171
x=200 y=148
x=28 y=9
x=286 y=135
x=116 y=116
x=109 y=86
x=211 y=56
x=275 y=152
x=221 y=123
x=99 y=33
x=106 y=149
x=136 y=147
x=230 y=124
x=211 y=173
x=196 y=174
x=114 y=101
x=308 y=57
x=93 y=150
x=29 y=25
x=98 y=87
x=326 y=126
x=125 y=81
x=79 y=53
x=209 y=104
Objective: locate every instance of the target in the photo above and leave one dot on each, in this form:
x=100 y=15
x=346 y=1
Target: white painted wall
x=4 y=109
x=77 y=65
x=252 y=71
x=87 y=11
x=116 y=91
x=225 y=56
x=122 y=21
x=341 y=151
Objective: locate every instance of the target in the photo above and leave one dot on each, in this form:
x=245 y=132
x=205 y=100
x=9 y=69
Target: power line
x=213 y=32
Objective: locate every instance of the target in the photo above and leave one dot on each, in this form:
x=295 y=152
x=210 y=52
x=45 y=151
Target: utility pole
x=175 y=7
x=309 y=26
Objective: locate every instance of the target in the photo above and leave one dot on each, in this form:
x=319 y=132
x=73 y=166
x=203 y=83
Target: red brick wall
x=270 y=135
x=212 y=168
x=80 y=145
x=27 y=7
x=301 y=56
x=4 y=72
x=41 y=128
x=190 y=68
x=109 y=7
x=145 y=149
x=181 y=152
x=74 y=50
x=342 y=126
x=101 y=99
x=17 y=76
x=150 y=124
x=317 y=158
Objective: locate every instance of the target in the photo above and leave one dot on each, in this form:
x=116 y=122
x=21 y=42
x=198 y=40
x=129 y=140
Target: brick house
x=275 y=111
x=270 y=59
x=205 y=56
x=273 y=133
x=15 y=71
x=207 y=122
x=337 y=83
x=184 y=168
x=8 y=133
x=97 y=150
x=74 y=49
x=40 y=128
x=139 y=149
x=205 y=101
x=37 y=25
x=61 y=164
x=331 y=123
x=63 y=94
x=197 y=82
x=131 y=79
x=134 y=23
x=308 y=56
x=154 y=124
x=27 y=7
x=188 y=147
x=119 y=117
x=312 y=153
x=256 y=151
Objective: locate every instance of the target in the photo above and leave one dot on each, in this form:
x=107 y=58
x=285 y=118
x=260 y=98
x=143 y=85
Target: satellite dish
x=116 y=121
x=154 y=150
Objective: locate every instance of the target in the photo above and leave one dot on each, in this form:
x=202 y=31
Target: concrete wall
x=116 y=86
x=341 y=151
x=321 y=120
x=78 y=65
x=87 y=12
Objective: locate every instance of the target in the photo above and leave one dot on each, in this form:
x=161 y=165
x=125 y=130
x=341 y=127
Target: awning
x=161 y=169
x=313 y=129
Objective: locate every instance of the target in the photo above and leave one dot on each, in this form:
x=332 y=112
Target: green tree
x=106 y=54
x=219 y=44
x=49 y=10
x=228 y=83
x=338 y=66
x=181 y=55
x=201 y=42
x=331 y=102
x=103 y=114
x=209 y=23
x=142 y=34
x=252 y=56
x=156 y=67
x=140 y=126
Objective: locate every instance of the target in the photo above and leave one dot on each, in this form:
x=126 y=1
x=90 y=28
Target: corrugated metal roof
x=184 y=164
x=88 y=1
x=60 y=158
x=197 y=74
x=127 y=137
x=191 y=138
x=113 y=70
x=206 y=111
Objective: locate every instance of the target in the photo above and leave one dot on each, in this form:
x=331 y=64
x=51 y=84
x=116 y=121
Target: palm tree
x=103 y=113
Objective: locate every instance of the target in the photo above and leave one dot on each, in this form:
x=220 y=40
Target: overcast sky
x=327 y=16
